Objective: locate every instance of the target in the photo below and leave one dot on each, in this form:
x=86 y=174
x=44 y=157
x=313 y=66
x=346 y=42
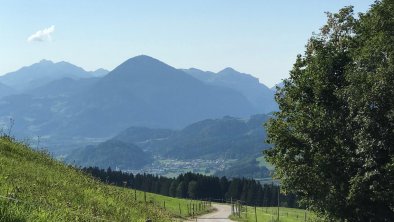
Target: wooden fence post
x=255 y=212
x=305 y=216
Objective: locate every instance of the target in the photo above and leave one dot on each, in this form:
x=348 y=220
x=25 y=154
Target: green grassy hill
x=34 y=187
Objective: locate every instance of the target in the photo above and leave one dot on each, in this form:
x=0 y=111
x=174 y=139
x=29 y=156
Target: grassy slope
x=52 y=191
x=269 y=214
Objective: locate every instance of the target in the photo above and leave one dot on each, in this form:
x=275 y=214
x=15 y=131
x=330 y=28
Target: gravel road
x=221 y=214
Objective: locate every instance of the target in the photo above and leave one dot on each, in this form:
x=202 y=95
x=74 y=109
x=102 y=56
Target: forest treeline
x=198 y=186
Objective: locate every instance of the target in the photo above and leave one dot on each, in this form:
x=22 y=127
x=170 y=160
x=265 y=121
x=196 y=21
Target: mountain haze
x=6 y=90
x=144 y=91
x=259 y=95
x=41 y=73
x=69 y=104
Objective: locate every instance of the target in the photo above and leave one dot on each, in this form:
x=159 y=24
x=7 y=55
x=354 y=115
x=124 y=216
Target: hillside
x=64 y=87
x=227 y=137
x=143 y=135
x=48 y=190
x=6 y=90
x=111 y=153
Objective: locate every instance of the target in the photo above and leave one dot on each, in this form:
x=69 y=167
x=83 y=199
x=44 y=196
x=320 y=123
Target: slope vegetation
x=111 y=153
x=34 y=187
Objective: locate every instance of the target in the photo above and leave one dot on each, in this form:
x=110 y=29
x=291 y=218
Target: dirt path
x=221 y=214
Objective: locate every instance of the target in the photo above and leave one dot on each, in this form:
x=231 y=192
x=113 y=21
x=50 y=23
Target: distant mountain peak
x=41 y=73
x=141 y=65
x=232 y=73
x=228 y=69
x=142 y=58
x=45 y=61
x=65 y=63
x=101 y=70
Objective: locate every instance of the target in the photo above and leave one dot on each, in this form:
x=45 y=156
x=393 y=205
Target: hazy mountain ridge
x=259 y=95
x=99 y=72
x=41 y=73
x=146 y=92
x=227 y=137
x=141 y=92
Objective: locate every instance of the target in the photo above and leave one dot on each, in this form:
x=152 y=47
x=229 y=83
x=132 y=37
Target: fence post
x=239 y=209
x=135 y=194
x=145 y=196
x=180 y=210
x=278 y=200
x=232 y=207
x=255 y=212
x=164 y=205
x=305 y=216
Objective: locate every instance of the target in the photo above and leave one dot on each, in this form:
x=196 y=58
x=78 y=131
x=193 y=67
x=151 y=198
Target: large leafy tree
x=334 y=134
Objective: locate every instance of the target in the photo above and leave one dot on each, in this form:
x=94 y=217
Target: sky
x=258 y=37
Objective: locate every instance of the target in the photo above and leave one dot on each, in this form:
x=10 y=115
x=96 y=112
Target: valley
x=174 y=167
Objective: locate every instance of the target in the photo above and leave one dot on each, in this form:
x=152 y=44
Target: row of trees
x=198 y=186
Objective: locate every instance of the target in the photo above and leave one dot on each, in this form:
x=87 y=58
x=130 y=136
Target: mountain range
x=44 y=72
x=61 y=100
x=227 y=138
x=259 y=95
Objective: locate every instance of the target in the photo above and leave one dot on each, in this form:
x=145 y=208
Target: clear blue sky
x=259 y=37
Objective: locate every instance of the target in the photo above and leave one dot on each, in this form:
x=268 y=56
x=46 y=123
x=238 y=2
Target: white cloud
x=42 y=35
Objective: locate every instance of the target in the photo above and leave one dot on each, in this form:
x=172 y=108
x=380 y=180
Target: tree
x=333 y=136
x=181 y=190
x=173 y=188
x=192 y=189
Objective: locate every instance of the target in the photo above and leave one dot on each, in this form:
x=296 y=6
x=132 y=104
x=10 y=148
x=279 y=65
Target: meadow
x=35 y=187
x=270 y=214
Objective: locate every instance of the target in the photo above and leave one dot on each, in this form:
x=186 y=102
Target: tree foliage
x=334 y=134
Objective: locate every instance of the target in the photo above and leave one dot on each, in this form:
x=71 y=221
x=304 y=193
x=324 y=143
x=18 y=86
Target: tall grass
x=35 y=187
